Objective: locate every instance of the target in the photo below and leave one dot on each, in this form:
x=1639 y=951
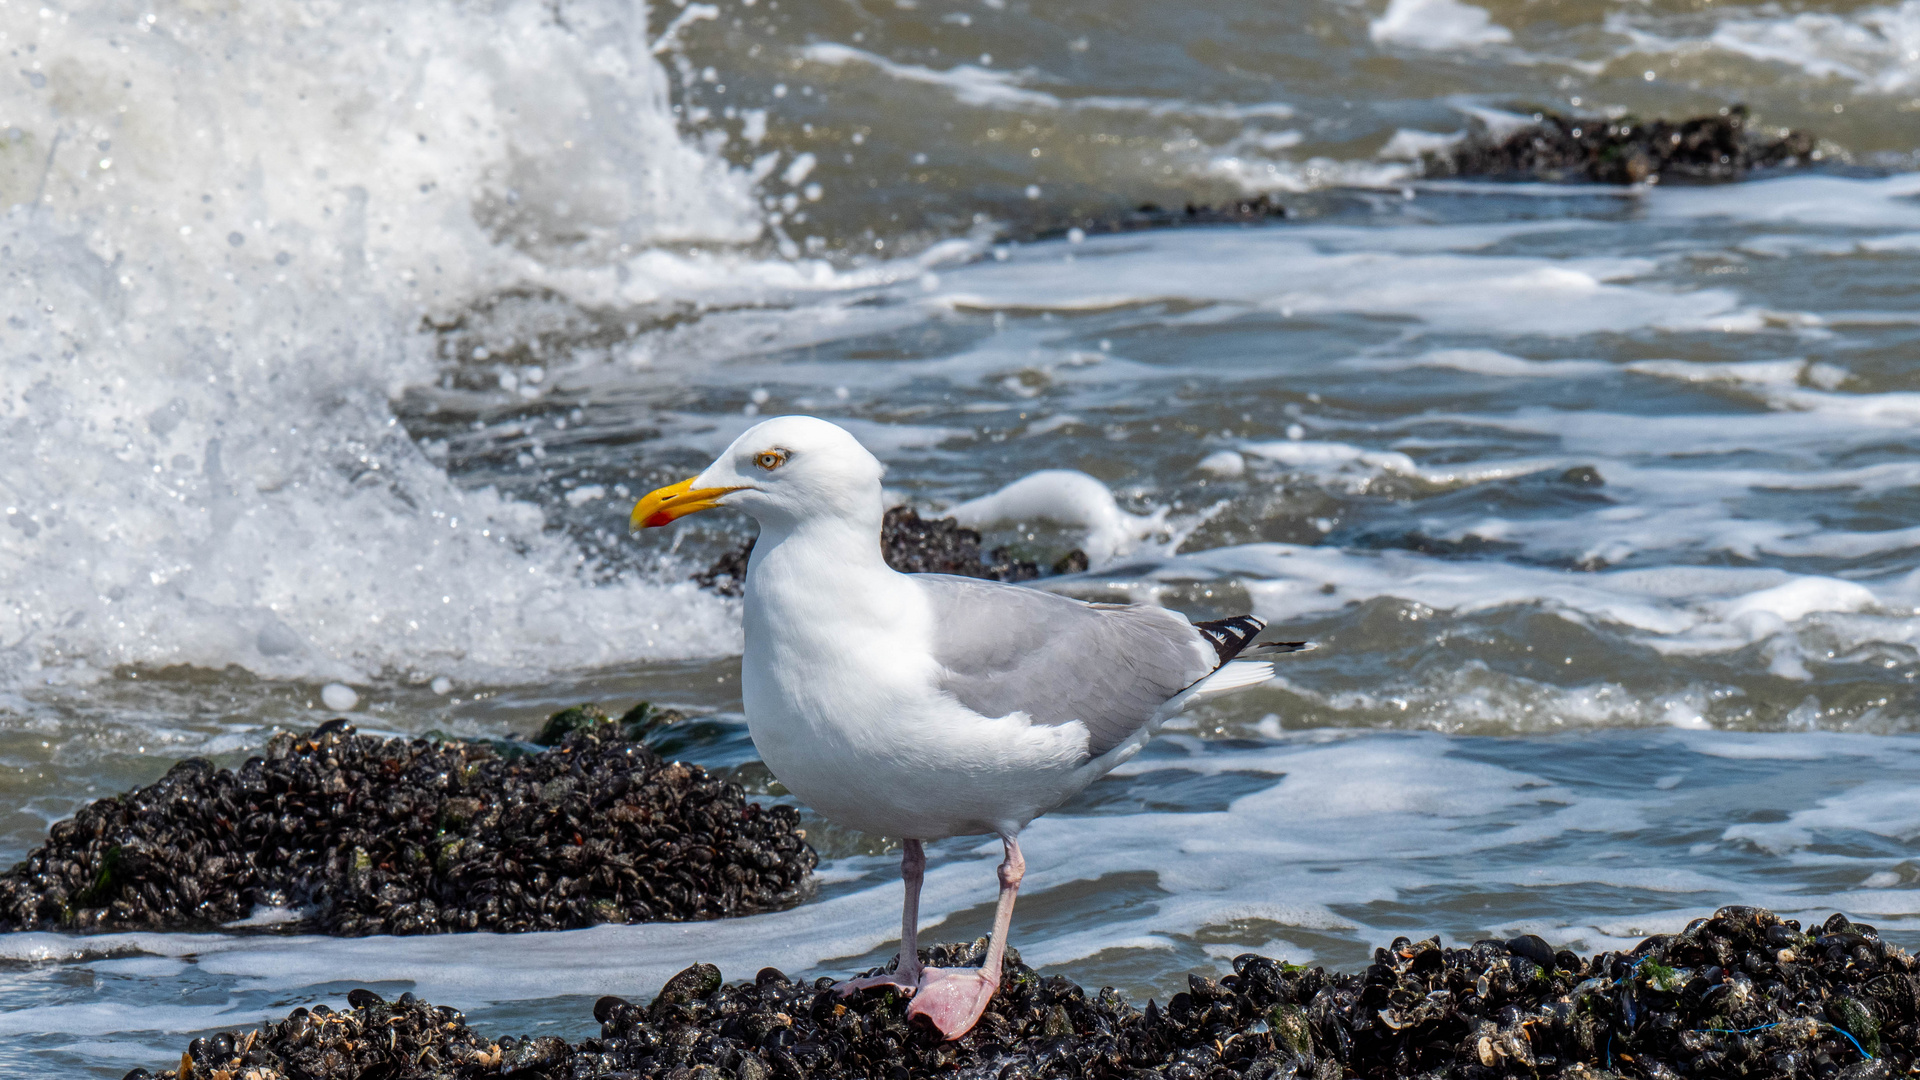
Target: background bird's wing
x=1006 y=649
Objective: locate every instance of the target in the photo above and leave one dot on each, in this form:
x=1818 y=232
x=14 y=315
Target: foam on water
x=1884 y=203
x=969 y=83
x=1488 y=362
x=1437 y=24
x=218 y=275
x=1682 y=609
x=1320 y=271
x=1877 y=48
x=977 y=85
x=1883 y=809
x=217 y=270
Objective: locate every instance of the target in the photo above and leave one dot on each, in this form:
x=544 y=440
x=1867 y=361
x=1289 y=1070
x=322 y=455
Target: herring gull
x=924 y=706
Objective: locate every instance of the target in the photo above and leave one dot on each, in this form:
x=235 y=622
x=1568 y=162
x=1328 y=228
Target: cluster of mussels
x=1261 y=209
x=1559 y=148
x=1740 y=994
x=371 y=1040
x=912 y=545
x=362 y=835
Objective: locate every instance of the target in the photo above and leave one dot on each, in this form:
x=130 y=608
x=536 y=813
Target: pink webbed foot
x=901 y=983
x=953 y=999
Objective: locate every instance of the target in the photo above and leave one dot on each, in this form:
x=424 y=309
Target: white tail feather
x=1234 y=675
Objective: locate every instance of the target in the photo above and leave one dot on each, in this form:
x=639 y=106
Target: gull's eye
x=770 y=459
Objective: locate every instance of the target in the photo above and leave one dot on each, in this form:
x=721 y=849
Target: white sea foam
x=1489 y=362
x=1354 y=468
x=1669 y=524
x=970 y=84
x=1437 y=24
x=1408 y=144
x=1884 y=809
x=1876 y=48
x=113 y=1018
x=973 y=84
x=1333 y=461
x=1260 y=174
x=1475 y=698
x=1408 y=273
x=220 y=286
x=1657 y=504
x=1498 y=124
x=216 y=267
x=1828 y=422
x=1848 y=202
x=1676 y=609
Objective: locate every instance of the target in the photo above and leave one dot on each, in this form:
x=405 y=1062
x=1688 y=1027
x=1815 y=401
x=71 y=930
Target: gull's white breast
x=843 y=703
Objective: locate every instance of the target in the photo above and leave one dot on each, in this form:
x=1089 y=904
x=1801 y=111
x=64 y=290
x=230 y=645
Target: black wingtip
x=1230 y=637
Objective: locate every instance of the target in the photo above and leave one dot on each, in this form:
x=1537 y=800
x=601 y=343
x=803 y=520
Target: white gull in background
x=1065 y=497
x=924 y=706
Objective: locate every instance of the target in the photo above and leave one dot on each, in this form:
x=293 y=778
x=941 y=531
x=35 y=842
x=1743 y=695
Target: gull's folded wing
x=1006 y=649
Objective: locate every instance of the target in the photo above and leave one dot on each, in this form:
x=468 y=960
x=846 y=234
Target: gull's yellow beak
x=675 y=501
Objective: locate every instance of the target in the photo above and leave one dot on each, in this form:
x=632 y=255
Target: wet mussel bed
x=1557 y=148
x=348 y=834
x=1740 y=994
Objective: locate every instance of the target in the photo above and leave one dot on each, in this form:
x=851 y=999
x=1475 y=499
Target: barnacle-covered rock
x=1494 y=1010
x=357 y=835
x=1626 y=150
x=407 y=1038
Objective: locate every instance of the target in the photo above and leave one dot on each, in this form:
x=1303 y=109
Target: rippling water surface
x=338 y=340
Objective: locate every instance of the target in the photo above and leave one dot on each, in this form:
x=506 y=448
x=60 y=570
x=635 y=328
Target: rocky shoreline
x=339 y=833
x=1740 y=994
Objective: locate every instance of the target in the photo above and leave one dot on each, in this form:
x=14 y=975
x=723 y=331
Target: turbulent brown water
x=336 y=342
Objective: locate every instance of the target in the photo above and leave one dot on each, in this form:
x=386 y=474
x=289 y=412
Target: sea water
x=335 y=343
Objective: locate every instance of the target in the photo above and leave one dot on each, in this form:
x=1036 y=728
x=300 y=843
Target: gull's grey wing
x=1006 y=649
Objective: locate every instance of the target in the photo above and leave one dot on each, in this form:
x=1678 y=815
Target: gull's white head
x=783 y=472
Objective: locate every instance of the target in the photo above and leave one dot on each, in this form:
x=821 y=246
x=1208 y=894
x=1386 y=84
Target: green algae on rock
x=635 y=724
x=356 y=835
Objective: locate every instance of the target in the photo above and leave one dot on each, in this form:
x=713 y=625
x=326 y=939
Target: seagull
x=924 y=706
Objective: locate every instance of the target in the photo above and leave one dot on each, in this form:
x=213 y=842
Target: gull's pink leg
x=953 y=999
x=904 y=979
